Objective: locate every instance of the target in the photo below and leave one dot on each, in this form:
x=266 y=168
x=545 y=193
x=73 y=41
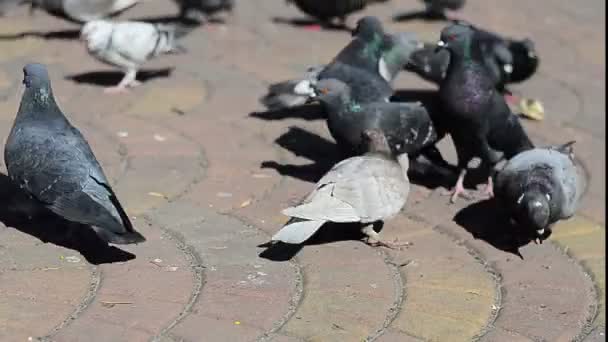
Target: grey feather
x=364 y=189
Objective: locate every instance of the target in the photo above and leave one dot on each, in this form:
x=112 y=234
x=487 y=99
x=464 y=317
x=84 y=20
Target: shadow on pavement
x=328 y=233
x=486 y=221
x=19 y=211
x=111 y=78
x=325 y=154
x=308 y=112
x=303 y=22
x=51 y=35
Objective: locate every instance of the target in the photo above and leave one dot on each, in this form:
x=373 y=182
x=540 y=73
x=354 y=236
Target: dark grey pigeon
x=326 y=11
x=435 y=9
x=368 y=64
x=81 y=10
x=509 y=60
x=206 y=7
x=407 y=126
x=475 y=113
x=540 y=187
x=51 y=160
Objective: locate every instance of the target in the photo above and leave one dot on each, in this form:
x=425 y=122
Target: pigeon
x=51 y=160
x=407 y=126
x=367 y=189
x=510 y=60
x=325 y=11
x=206 y=7
x=129 y=44
x=475 y=114
x=435 y=9
x=369 y=63
x=83 y=10
x=540 y=187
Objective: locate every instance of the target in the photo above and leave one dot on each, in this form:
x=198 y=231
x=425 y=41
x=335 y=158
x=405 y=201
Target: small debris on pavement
x=159 y=138
x=110 y=304
x=72 y=259
x=158 y=194
x=122 y=134
x=246 y=203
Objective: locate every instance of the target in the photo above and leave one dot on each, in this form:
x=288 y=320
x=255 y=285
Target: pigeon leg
x=459 y=190
x=373 y=238
x=127 y=81
x=489 y=189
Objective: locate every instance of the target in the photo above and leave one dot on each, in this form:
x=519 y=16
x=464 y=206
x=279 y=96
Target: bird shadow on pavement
x=325 y=154
x=111 y=78
x=72 y=34
x=304 y=22
x=308 y=112
x=328 y=233
x=419 y=15
x=19 y=211
x=311 y=146
x=486 y=221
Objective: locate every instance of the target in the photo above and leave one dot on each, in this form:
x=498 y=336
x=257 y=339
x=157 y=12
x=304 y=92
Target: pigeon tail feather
x=297 y=231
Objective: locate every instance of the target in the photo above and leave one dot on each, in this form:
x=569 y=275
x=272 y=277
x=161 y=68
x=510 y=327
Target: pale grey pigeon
x=129 y=44
x=366 y=189
x=51 y=160
x=540 y=187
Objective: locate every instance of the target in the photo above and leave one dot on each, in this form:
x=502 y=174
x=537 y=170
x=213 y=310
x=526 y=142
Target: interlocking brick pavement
x=205 y=182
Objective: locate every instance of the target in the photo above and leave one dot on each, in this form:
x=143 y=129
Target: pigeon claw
x=390 y=245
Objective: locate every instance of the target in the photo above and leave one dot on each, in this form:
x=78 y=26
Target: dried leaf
x=246 y=203
x=532 y=109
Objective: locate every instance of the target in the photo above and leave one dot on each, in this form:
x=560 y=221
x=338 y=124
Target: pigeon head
x=367 y=28
x=398 y=56
x=456 y=35
x=534 y=211
x=374 y=141
x=35 y=76
x=525 y=59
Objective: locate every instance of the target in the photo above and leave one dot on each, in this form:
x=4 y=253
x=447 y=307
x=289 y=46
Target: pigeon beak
x=540 y=232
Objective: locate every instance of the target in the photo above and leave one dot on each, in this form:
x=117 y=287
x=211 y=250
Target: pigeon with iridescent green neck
x=368 y=64
x=474 y=112
x=510 y=60
x=407 y=125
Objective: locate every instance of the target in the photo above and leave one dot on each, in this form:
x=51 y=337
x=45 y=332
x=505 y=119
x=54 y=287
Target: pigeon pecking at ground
x=82 y=10
x=51 y=160
x=206 y=7
x=129 y=44
x=368 y=64
x=326 y=11
x=366 y=189
x=407 y=126
x=475 y=113
x=540 y=187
